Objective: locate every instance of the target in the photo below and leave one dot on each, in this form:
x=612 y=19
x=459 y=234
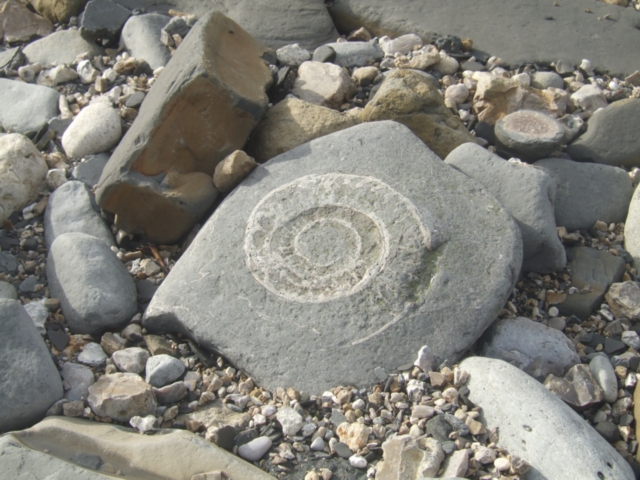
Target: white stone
x=268 y=410
x=96 y=129
x=403 y=44
x=290 y=420
x=93 y=355
x=38 y=313
x=629 y=338
x=358 y=461
x=132 y=360
x=447 y=65
x=255 y=449
x=323 y=84
x=358 y=404
x=56 y=75
x=87 y=73
x=589 y=98
x=456 y=465
x=602 y=370
x=502 y=464
x=523 y=79
x=292 y=55
x=318 y=444
x=56 y=177
x=163 y=369
x=485 y=455
x=587 y=66
x=422 y=411
x=143 y=424
x=458 y=93
x=426 y=359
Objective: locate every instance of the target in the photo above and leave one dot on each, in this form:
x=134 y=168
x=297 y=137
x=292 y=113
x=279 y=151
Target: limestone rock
x=335 y=187
x=60 y=47
x=22 y=173
x=163 y=369
x=409 y=458
x=602 y=370
x=355 y=435
x=589 y=98
x=121 y=396
x=19 y=24
x=632 y=228
x=89 y=171
x=158 y=180
x=578 y=388
x=542 y=80
x=26 y=108
x=292 y=55
x=58 y=10
x=293 y=122
x=529 y=135
x=141 y=37
x=96 y=129
x=409 y=97
x=290 y=420
x=323 y=84
x=232 y=170
x=624 y=300
x=29 y=380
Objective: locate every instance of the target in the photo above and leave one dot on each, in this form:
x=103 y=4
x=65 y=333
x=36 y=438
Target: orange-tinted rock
x=232 y=170
x=203 y=106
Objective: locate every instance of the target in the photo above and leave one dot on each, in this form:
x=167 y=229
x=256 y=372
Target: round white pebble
x=358 y=461
x=502 y=464
x=255 y=449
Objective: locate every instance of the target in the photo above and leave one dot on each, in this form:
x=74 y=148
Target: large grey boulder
x=588 y=192
x=344 y=254
x=141 y=37
x=73 y=208
x=29 y=380
x=537 y=426
x=24 y=107
x=60 y=48
x=94 y=287
x=611 y=137
x=532 y=347
x=527 y=193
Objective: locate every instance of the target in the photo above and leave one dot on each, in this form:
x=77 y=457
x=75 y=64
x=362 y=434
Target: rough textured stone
x=527 y=193
x=95 y=129
x=588 y=192
x=60 y=47
x=589 y=98
x=409 y=97
x=79 y=378
x=19 y=24
x=392 y=311
x=22 y=173
x=141 y=38
x=410 y=458
x=29 y=380
x=58 y=10
x=72 y=208
x=131 y=360
x=94 y=287
x=26 y=108
x=624 y=300
x=121 y=396
x=529 y=135
x=215 y=414
x=531 y=418
x=323 y=84
x=611 y=137
x=232 y=170
x=141 y=183
x=8 y=291
x=103 y=19
x=163 y=369
x=530 y=346
x=579 y=388
x=293 y=122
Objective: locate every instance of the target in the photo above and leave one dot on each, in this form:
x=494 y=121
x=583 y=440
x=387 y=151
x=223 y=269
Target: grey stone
x=38 y=313
x=255 y=449
x=428 y=227
x=438 y=428
x=90 y=170
x=566 y=37
x=531 y=419
x=60 y=48
x=93 y=355
x=632 y=228
x=8 y=56
x=356 y=54
x=530 y=346
x=131 y=360
x=103 y=19
x=608 y=430
x=579 y=388
x=94 y=287
x=24 y=107
x=527 y=193
x=163 y=369
x=543 y=80
x=611 y=138
x=8 y=291
x=324 y=53
x=8 y=263
x=79 y=378
x=171 y=393
x=588 y=192
x=72 y=208
x=602 y=370
x=141 y=38
x=342 y=449
x=96 y=129
x=528 y=135
x=593 y=271
x=28 y=285
x=29 y=380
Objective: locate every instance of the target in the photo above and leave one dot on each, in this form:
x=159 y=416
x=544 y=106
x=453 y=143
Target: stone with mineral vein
x=361 y=265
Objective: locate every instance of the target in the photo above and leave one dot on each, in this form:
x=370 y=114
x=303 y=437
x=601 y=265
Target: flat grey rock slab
x=95 y=289
x=517 y=32
x=612 y=136
x=90 y=170
x=527 y=193
x=7 y=56
x=538 y=426
x=60 y=48
x=141 y=37
x=344 y=254
x=356 y=54
x=29 y=380
x=588 y=192
x=72 y=208
x=24 y=107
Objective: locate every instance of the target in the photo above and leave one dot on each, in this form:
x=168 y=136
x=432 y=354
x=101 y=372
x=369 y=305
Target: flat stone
x=407 y=456
x=402 y=44
x=579 y=388
x=131 y=360
x=437 y=235
x=24 y=107
x=602 y=370
x=9 y=56
x=141 y=38
x=121 y=396
x=529 y=135
x=92 y=355
x=409 y=97
x=588 y=192
x=163 y=369
x=527 y=193
x=90 y=170
x=531 y=418
x=60 y=48
x=72 y=208
x=215 y=414
x=323 y=84
x=593 y=271
x=79 y=378
x=356 y=54
x=29 y=380
x=544 y=80
x=103 y=19
x=456 y=465
x=19 y=24
x=96 y=129
x=94 y=287
x=162 y=164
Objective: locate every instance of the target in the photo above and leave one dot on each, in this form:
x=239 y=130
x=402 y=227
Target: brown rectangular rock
x=203 y=106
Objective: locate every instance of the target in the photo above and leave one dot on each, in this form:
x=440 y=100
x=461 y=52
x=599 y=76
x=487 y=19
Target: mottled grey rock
x=593 y=271
x=543 y=80
x=532 y=347
x=172 y=393
x=90 y=170
x=24 y=107
x=73 y=208
x=141 y=38
x=8 y=291
x=528 y=135
x=132 y=360
x=60 y=48
x=121 y=396
x=9 y=56
x=79 y=378
x=579 y=389
x=163 y=369
x=408 y=246
x=29 y=380
x=356 y=54
x=602 y=370
x=94 y=287
x=611 y=138
x=588 y=192
x=531 y=419
x=38 y=313
x=103 y=19
x=527 y=193
x=8 y=263
x=93 y=355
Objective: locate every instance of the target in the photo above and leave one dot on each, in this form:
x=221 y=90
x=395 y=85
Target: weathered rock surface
x=407 y=261
x=158 y=180
x=323 y=84
x=19 y=24
x=293 y=122
x=96 y=129
x=90 y=170
x=79 y=378
x=356 y=54
x=531 y=418
x=60 y=47
x=215 y=414
x=232 y=170
x=578 y=389
x=22 y=173
x=527 y=193
x=611 y=137
x=58 y=10
x=141 y=37
x=624 y=300
x=163 y=369
x=121 y=396
x=94 y=287
x=409 y=458
x=26 y=108
x=602 y=370
x=529 y=135
x=72 y=208
x=29 y=380
x=103 y=19
x=409 y=97
x=588 y=192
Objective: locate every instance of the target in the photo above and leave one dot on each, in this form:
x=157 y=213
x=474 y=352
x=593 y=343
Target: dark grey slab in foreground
x=344 y=254
x=518 y=31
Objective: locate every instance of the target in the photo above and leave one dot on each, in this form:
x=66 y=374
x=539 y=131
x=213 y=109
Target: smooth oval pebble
x=318 y=444
x=255 y=449
x=357 y=461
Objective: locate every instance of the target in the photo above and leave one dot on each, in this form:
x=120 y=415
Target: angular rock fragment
x=578 y=388
x=121 y=396
x=19 y=24
x=232 y=170
x=103 y=19
x=411 y=458
x=202 y=108
x=323 y=84
x=624 y=300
